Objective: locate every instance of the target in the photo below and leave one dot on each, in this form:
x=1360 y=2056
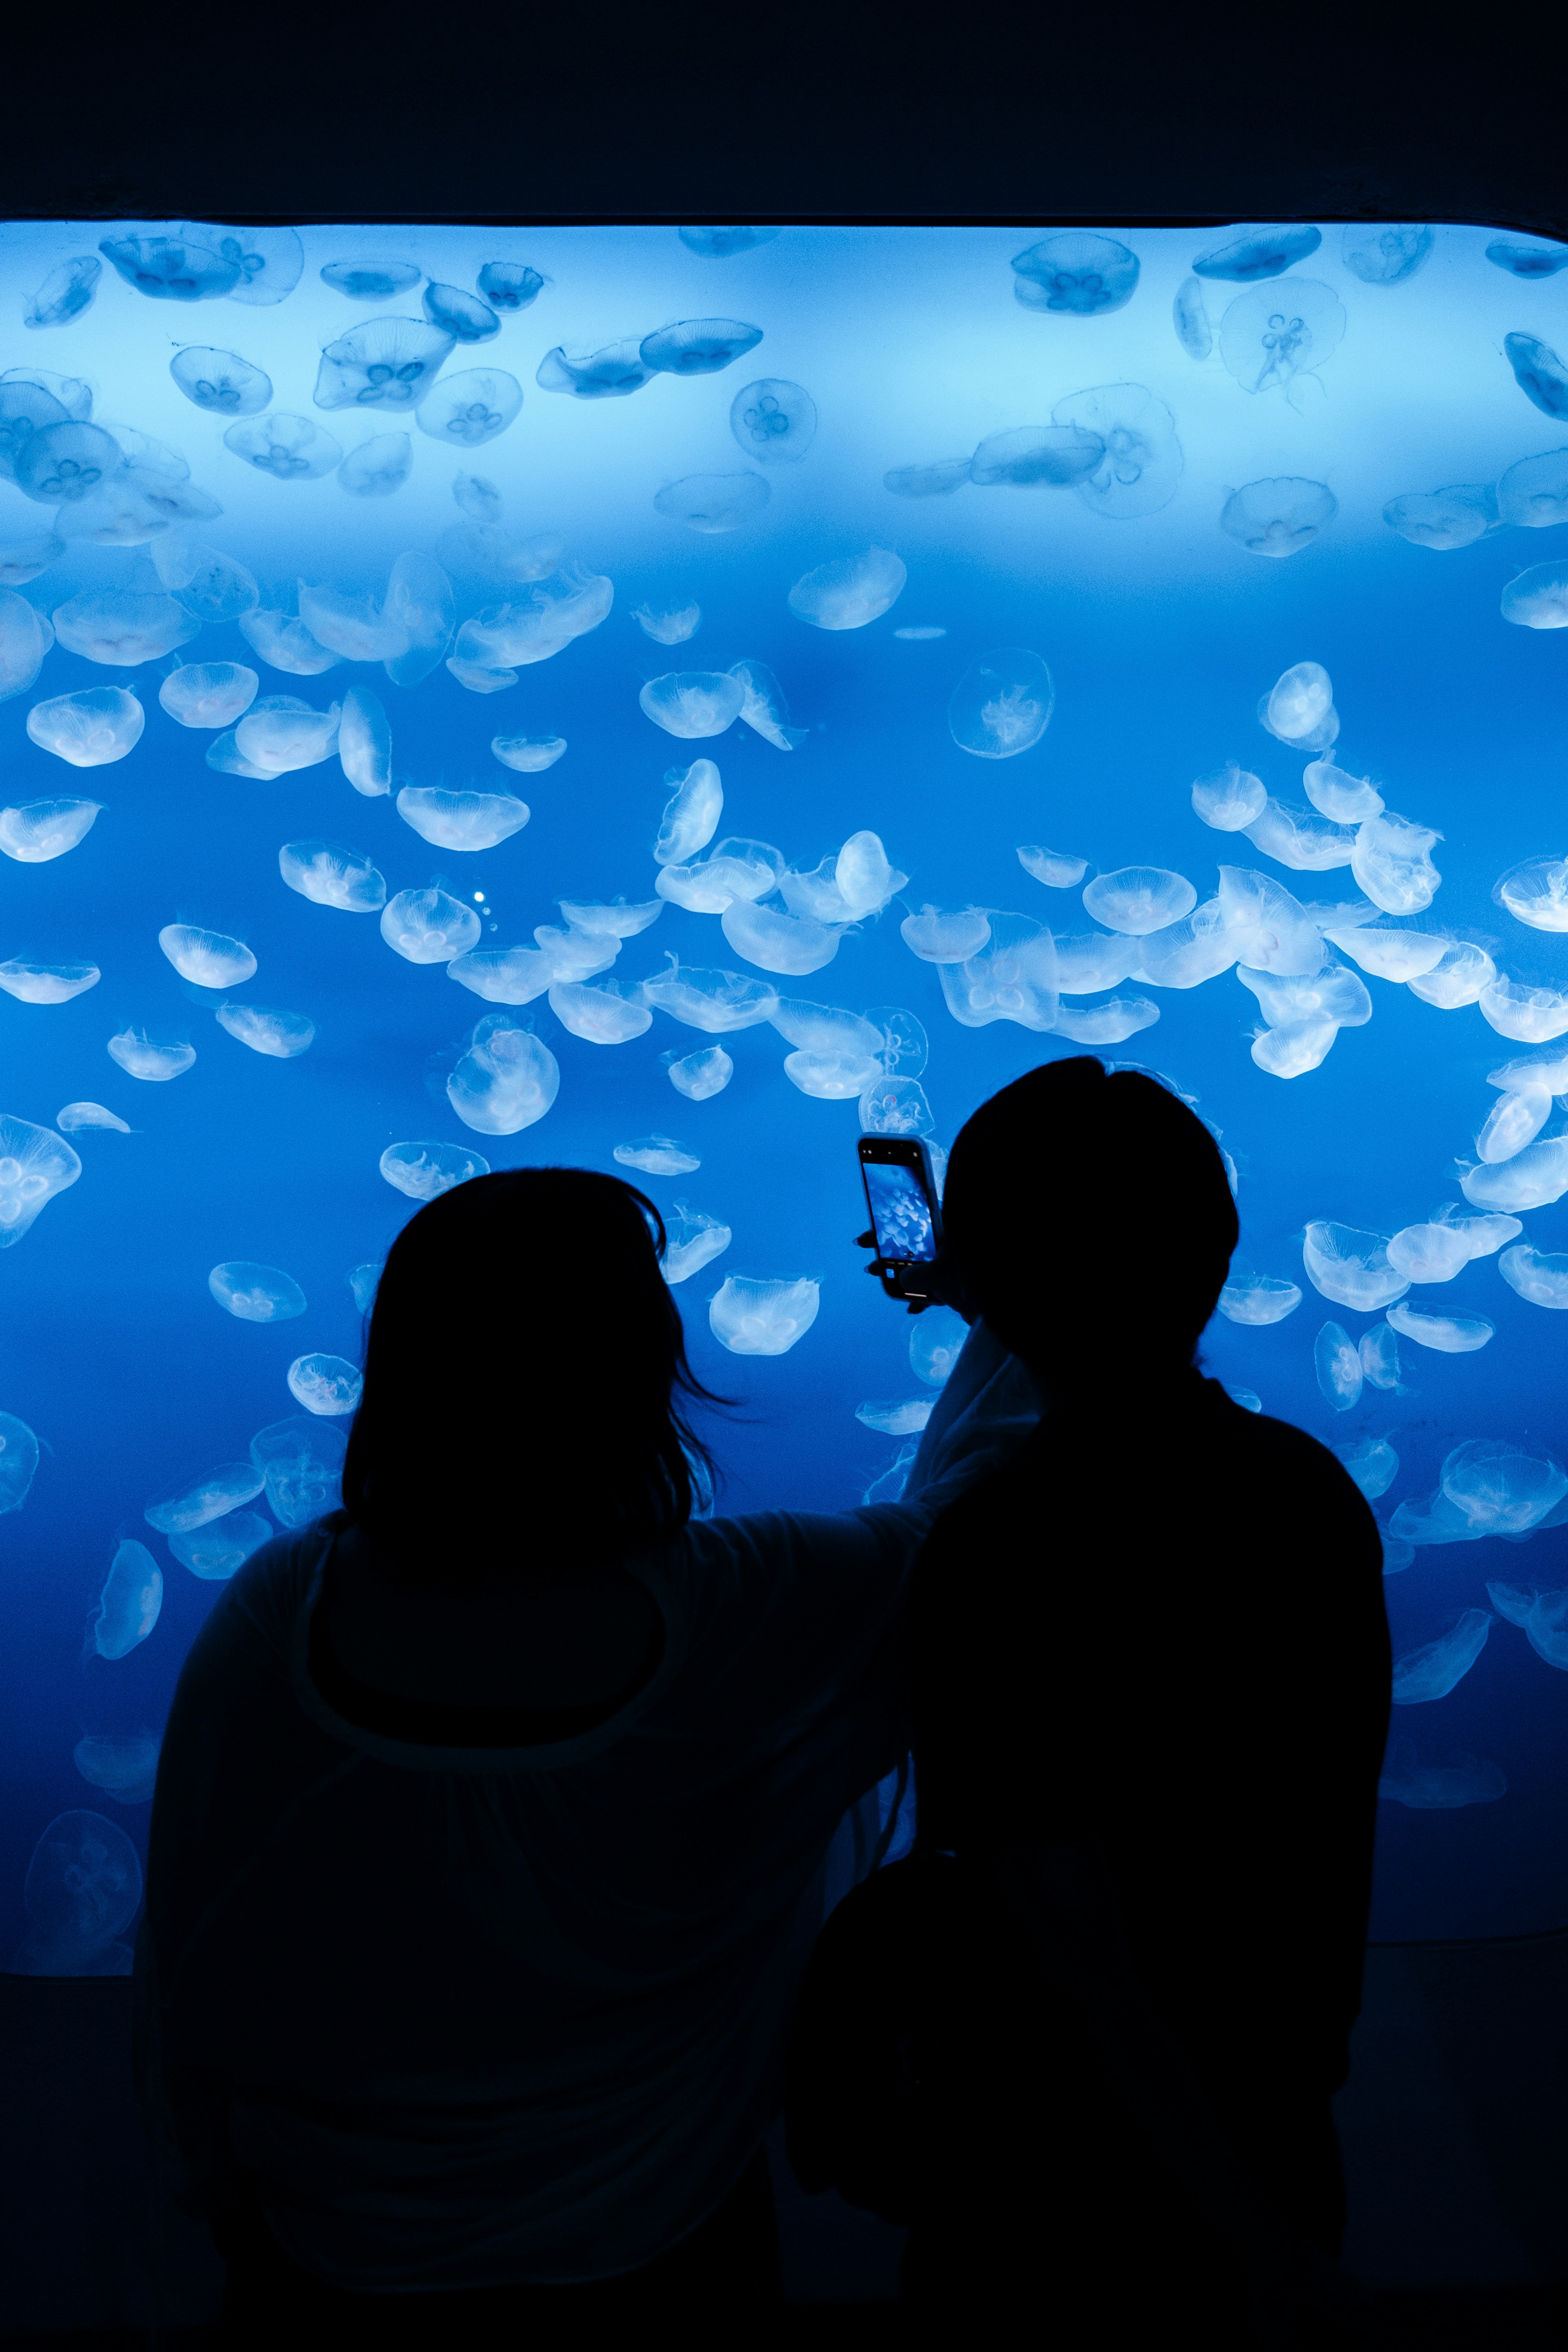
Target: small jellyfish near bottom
x=934 y=1344
x=764 y=1315
x=83 y=1889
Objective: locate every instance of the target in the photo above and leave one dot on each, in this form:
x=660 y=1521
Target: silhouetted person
x=492 y=1812
x=1150 y=1674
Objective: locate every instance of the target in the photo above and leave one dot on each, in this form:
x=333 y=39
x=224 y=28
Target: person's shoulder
x=1297 y=1466
x=262 y=1599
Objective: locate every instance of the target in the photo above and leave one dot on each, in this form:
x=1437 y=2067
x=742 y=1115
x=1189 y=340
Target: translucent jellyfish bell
x=221 y=1548
x=773 y=421
x=280 y=733
x=325 y=1384
x=59 y=464
x=290 y=448
x=41 y=830
x=471 y=407
x=75 y=1116
x=172 y=269
x=18 y=1461
x=302 y=1460
x=207 y=694
x=506 y=1081
x=1034 y=457
x=1259 y=1299
x=35 y=1164
x=1444 y=519
x=466 y=821
x=1437 y=1667
x=1538 y=371
x=1142 y=460
x=528 y=755
x=761 y=1315
x=1391 y=862
x=1381 y=253
x=509 y=285
x=1351 y=1267
x=702 y=1074
x=378 y=468
x=267 y=1030
x=197 y=1501
x=210 y=959
x=938 y=937
x=364 y=743
x=1058 y=869
x=1229 y=800
x=130 y=1603
x=255 y=1294
x=424 y=1170
x=1538 y=1276
x=699 y=346
x=603 y=1013
x=371 y=282
x=935 y=1343
x=1538 y=599
x=65 y=293
x=384 y=363
x=692 y=1240
x=1449 y=1335
x=716 y=1001
x=1275 y=332
x=429 y=926
x=1300 y=702
x=1459 y=1780
x=1279 y=516
x=1262 y=253
x=1337 y=1360
x=1002 y=705
x=221 y=382
x=1014 y=978
x=613 y=372
x=1531 y=1179
x=90 y=728
x=332 y=874
x=121 y=628
x=83 y=1888
x=1137 y=899
x=890 y=1105
x=1077 y=273
x=850 y=592
x=671 y=628
x=693 y=703
x=459 y=314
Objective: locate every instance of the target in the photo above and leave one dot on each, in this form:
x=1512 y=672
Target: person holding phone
x=492 y=1819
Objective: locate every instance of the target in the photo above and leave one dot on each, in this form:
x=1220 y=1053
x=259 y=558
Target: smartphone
x=901 y=1193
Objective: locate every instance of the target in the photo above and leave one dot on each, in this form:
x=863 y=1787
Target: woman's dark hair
x=520 y=1416
x=1091 y=1216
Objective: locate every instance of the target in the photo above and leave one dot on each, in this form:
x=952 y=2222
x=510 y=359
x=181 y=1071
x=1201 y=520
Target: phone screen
x=901 y=1213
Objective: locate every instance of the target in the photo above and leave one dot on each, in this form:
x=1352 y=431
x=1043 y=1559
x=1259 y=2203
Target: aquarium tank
x=668 y=700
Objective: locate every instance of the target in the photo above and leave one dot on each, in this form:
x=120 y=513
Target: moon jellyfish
x=90 y=730
x=713 y=502
x=1371 y=1461
x=302 y=1462
x=1532 y=1179
x=693 y=703
x=1036 y=456
x=722 y=244
x=1534 y=492
x=221 y=381
x=607 y=1013
x=34 y=1166
x=1388 y=954
x=612 y=374
x=18 y=1461
x=1259 y=1299
x=1056 y=868
x=1380 y=1358
x=385 y=363
x=716 y=1001
x=1451 y=1334
x=206 y=694
x=1332 y=994
x=59 y=464
x=528 y=755
x=364 y=743
x=1530 y=1014
x=1427 y=1787
x=702 y=1074
x=24 y=639
x=1443 y=519
x=462 y=316
x=612 y=916
x=1299 y=704
x=1527 y=260
x=570 y=954
x=538 y=626
x=46 y=983
x=378 y=466
x=765 y=710
x=1516 y=1119
x=290 y=448
x=428 y=927
x=1433 y=1670
x=21 y=559
x=1337 y=1360
x=672 y=628
x=280 y=733
x=849 y=592
x=210 y=959
x=1136 y=899
x=831 y=1076
x=1381 y=254
x=509 y=285
x=1536 y=893
x=941 y=938
x=331 y=874
x=773 y=420
x=691 y=817
x=1279 y=514
x=506 y=1081
x=285 y=643
x=1539 y=1276
x=424 y=1170
x=938 y=481
x=699 y=346
x=255 y=1293
x=325 y=1384
x=178 y=269
x=1538 y=599
x=658 y=1155
x=466 y=821
x=827 y=1029
x=1080 y=273
x=1106 y=1024
x=212 y=1494
x=1350 y=1267
x=216 y=1552
x=1487 y=1234
x=794 y=944
x=1189 y=315
x=266 y=1030
x=1143 y=459
x=692 y=1240
x=129 y=1605
x=472 y=407
x=1500 y=1489
x=1002 y=705
x=1391 y=862
x=892 y=1105
x=1537 y=370
x=1295 y=838
x=1430 y=1253
x=1229 y=800
x=1294 y=1048
x=123 y=629
x=755 y=1316
x=934 y=1344
x=75 y=1116
x=83 y=1887
x=65 y=293
x=1275 y=332
x=1347 y=799
x=1458 y=978
x=1013 y=979
x=1265 y=253
x=371 y=282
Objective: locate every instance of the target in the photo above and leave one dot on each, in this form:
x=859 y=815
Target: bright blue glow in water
x=710 y=655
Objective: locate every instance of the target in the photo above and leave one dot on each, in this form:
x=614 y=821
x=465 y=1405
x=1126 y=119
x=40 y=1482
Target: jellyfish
x=210 y=959
x=90 y=728
x=1381 y=254
x=302 y=1462
x=1443 y=519
x=364 y=742
x=537 y=626
x=129 y=1605
x=1266 y=252
x=40 y=830
x=692 y=1240
x=794 y=944
x=1459 y=977
x=946 y=938
x=332 y=874
x=892 y=1105
x=1487 y=1234
x=378 y=466
x=280 y=733
x=204 y=584
x=65 y=293
x=121 y=628
x=1013 y=979
x=1460 y=1779
x=1450 y=1335
x=1532 y=1179
x=34 y=1166
x=424 y=1170
x=1079 y=273
x=46 y=983
x=713 y=502
x=935 y=1343
x=216 y=1552
x=849 y=592
x=221 y=381
x=472 y=407
x=1539 y=1276
x=1230 y=799
x=1295 y=838
x=1137 y=899
x=773 y=421
x=1036 y=456
x=466 y=821
x=21 y=559
x=371 y=282
x=255 y=1293
x=658 y=1155
x=18 y=1450
x=1351 y=1267
x=827 y=1030
x=1499 y=1488
x=755 y=1315
x=325 y=1384
x=1433 y=1670
x=1332 y=995
x=78 y=1115
x=1538 y=599
x=509 y=285
x=290 y=448
x=1339 y=1368
x=385 y=363
x=1259 y=1299
x=574 y=955
x=672 y=628
x=83 y=1887
x=1434 y=1251
x=1056 y=868
x=1371 y=1461
x=693 y=703
x=1538 y=371
x=613 y=372
x=216 y=1491
x=938 y=481
x=1536 y=893
x=59 y=464
x=607 y=1013
x=1294 y=1048
x=1516 y=1119
x=25 y=410
x=1002 y=705
x=1531 y=1014
x=1389 y=955
x=506 y=1081
x=1380 y=1358
x=285 y=643
x=462 y=316
x=615 y=917
x=1279 y=516
x=691 y=816
x=428 y=926
x=179 y=268
x=1275 y=332
x=699 y=346
x=1143 y=457
x=1391 y=864
x=1106 y=1024
x=716 y=1001
x=702 y=1074
x=504 y=975
x=1527 y=260
x=267 y=1030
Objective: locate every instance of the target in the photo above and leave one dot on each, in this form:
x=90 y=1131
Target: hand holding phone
x=906 y=1222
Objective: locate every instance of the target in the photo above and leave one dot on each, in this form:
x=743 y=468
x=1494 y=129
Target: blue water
x=1161 y=632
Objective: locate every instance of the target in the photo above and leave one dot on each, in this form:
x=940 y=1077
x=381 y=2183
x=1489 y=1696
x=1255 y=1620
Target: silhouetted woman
x=492 y=1812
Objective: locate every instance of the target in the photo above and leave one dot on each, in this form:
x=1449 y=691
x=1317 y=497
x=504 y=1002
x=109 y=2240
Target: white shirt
x=472 y=2017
